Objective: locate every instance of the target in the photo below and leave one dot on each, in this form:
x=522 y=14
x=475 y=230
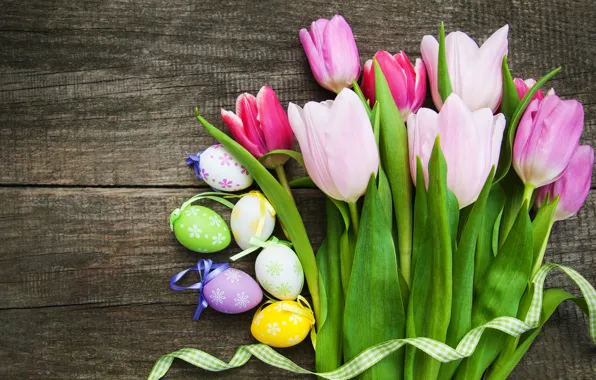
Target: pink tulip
x=546 y=138
x=406 y=81
x=475 y=72
x=337 y=143
x=332 y=53
x=523 y=86
x=573 y=186
x=470 y=141
x=260 y=125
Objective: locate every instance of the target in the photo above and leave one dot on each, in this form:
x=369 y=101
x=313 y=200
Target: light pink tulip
x=337 y=143
x=573 y=186
x=332 y=53
x=546 y=138
x=261 y=125
x=470 y=141
x=406 y=81
x=475 y=72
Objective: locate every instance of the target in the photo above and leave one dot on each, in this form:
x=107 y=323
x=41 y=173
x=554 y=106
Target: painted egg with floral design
x=279 y=272
x=201 y=229
x=232 y=292
x=246 y=217
x=222 y=171
x=282 y=324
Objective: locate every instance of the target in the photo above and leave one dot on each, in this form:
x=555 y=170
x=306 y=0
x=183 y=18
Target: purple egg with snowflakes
x=233 y=292
x=222 y=171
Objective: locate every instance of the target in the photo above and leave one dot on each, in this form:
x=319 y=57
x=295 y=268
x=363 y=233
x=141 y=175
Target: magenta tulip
x=523 y=86
x=475 y=72
x=337 y=143
x=547 y=136
x=261 y=125
x=573 y=186
x=332 y=53
x=470 y=141
x=406 y=81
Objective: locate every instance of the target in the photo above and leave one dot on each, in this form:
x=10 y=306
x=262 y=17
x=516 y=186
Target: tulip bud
x=332 y=53
x=470 y=142
x=337 y=143
x=547 y=136
x=475 y=72
x=261 y=125
x=406 y=81
x=573 y=186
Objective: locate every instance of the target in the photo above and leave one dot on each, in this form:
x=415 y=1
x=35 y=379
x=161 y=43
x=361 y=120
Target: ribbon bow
x=207 y=272
x=258 y=243
x=195 y=161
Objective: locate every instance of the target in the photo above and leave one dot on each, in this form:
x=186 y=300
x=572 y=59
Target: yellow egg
x=282 y=324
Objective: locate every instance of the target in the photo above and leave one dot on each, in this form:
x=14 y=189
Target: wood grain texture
x=96 y=100
x=86 y=295
x=102 y=92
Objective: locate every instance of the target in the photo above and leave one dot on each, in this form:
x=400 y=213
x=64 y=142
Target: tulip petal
x=274 y=121
x=396 y=78
x=461 y=52
x=419 y=87
x=351 y=149
x=313 y=47
x=497 y=138
x=574 y=185
x=247 y=111
x=234 y=123
x=368 y=82
x=423 y=129
x=340 y=54
x=305 y=124
x=429 y=48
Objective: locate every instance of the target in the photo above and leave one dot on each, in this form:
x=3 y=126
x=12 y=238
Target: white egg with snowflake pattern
x=279 y=272
x=220 y=170
x=246 y=216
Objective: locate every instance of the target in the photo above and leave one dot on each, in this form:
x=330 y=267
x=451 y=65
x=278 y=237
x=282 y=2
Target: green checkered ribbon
x=374 y=354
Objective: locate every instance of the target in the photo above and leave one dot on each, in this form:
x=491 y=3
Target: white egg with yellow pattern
x=280 y=325
x=279 y=272
x=246 y=216
x=221 y=171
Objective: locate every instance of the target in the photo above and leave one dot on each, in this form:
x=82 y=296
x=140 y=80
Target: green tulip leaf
x=429 y=309
x=365 y=102
x=374 y=310
x=302 y=183
x=443 y=80
x=463 y=277
x=393 y=147
x=284 y=152
x=499 y=294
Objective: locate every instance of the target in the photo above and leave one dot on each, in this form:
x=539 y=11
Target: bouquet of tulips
x=437 y=219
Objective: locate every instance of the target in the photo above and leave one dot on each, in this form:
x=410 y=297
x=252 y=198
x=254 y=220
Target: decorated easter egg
x=279 y=272
x=232 y=292
x=201 y=229
x=282 y=324
x=246 y=216
x=222 y=171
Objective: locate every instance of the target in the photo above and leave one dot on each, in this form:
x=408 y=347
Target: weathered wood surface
x=100 y=94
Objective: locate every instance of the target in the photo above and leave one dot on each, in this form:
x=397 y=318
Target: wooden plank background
x=96 y=101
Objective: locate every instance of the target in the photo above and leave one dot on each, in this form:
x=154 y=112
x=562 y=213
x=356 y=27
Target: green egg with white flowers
x=201 y=229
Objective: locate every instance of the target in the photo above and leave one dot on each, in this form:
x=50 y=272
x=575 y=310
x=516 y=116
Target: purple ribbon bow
x=207 y=272
x=195 y=160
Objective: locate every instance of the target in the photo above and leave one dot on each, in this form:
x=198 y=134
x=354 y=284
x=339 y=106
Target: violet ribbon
x=195 y=160
x=207 y=272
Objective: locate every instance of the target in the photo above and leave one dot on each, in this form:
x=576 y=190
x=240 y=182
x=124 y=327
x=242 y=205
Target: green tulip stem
x=283 y=180
x=528 y=191
x=354 y=216
x=540 y=258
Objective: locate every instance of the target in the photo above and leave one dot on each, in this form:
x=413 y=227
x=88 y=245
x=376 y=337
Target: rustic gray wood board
x=96 y=101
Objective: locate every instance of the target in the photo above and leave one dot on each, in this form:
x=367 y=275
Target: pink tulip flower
x=332 y=53
x=475 y=72
x=523 y=86
x=406 y=81
x=470 y=141
x=547 y=136
x=261 y=125
x=573 y=186
x=337 y=143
